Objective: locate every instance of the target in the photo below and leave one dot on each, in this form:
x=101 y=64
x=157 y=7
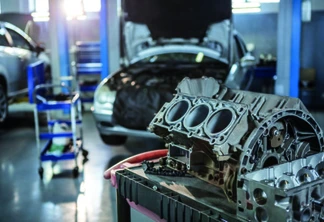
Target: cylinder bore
x=260 y=196
x=177 y=111
x=305 y=215
x=196 y=116
x=261 y=214
x=219 y=121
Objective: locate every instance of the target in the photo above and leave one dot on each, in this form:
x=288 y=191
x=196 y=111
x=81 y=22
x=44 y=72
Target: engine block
x=264 y=151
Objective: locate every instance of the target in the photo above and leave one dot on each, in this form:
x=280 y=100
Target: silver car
x=163 y=42
x=17 y=51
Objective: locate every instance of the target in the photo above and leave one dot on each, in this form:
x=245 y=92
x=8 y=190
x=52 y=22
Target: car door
x=23 y=50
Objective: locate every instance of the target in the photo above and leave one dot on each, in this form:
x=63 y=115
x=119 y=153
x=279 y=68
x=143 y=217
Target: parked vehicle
x=17 y=51
x=163 y=42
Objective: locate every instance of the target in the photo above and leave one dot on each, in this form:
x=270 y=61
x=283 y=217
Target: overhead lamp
x=241 y=5
x=40 y=16
x=306 y=11
x=73 y=9
x=245 y=10
x=246 y=7
x=269 y=1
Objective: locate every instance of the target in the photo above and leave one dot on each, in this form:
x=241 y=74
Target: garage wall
x=312 y=50
x=86 y=30
x=260 y=29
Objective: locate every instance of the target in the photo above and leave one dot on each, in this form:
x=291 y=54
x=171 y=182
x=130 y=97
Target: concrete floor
x=59 y=197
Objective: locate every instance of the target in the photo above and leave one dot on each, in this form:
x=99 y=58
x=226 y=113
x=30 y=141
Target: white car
x=163 y=42
x=17 y=51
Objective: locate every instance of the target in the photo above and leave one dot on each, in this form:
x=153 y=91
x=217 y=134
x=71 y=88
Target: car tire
x=3 y=105
x=113 y=139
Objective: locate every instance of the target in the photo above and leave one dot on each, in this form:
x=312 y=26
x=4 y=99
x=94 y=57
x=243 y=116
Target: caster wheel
x=41 y=172
x=76 y=172
x=85 y=153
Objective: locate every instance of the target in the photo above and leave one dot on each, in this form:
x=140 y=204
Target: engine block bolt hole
x=177 y=111
x=260 y=196
x=304 y=178
x=243 y=170
x=219 y=121
x=261 y=214
x=284 y=184
x=305 y=215
x=196 y=116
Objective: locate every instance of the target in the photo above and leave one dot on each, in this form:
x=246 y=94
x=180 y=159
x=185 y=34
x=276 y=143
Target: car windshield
x=187 y=58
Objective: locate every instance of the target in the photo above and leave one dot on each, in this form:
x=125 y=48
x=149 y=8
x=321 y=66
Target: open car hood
x=150 y=23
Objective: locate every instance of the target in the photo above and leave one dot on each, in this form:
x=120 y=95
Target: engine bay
x=144 y=91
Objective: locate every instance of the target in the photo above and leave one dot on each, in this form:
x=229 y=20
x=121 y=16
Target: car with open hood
x=161 y=43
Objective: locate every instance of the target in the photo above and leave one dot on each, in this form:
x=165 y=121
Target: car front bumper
x=105 y=127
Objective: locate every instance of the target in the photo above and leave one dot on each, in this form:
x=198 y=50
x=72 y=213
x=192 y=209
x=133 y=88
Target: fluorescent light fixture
x=92 y=5
x=269 y=1
x=245 y=5
x=73 y=8
x=40 y=16
x=245 y=10
x=40 y=19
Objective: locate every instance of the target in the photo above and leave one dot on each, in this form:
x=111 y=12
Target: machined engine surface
x=264 y=151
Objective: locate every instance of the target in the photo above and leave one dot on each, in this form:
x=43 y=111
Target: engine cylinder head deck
x=264 y=151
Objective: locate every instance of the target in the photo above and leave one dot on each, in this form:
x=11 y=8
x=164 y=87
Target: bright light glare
x=255 y=1
x=269 y=1
x=245 y=10
x=41 y=5
x=40 y=16
x=92 y=5
x=200 y=57
x=245 y=5
x=73 y=8
x=40 y=19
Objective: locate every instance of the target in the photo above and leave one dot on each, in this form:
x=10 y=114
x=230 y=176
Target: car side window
x=236 y=54
x=18 y=40
x=241 y=48
x=3 y=40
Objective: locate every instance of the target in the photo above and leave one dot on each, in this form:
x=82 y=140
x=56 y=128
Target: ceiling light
x=245 y=5
x=245 y=10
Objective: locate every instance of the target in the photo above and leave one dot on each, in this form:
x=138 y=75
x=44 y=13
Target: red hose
x=155 y=154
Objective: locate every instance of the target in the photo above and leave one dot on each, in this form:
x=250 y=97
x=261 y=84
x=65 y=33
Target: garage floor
x=59 y=197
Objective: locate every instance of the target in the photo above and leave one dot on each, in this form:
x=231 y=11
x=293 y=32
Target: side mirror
x=248 y=60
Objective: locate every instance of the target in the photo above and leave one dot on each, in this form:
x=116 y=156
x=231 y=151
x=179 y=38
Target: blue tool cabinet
x=88 y=66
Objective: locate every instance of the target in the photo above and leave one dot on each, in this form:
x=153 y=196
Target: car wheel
x=113 y=139
x=3 y=105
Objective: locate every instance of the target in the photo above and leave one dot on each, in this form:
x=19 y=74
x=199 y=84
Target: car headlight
x=104 y=95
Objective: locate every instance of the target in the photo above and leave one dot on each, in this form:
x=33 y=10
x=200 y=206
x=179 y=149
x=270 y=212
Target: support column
x=109 y=37
x=104 y=55
x=288 y=49
x=60 y=56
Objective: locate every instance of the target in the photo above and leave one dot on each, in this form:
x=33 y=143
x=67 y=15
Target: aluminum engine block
x=264 y=151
